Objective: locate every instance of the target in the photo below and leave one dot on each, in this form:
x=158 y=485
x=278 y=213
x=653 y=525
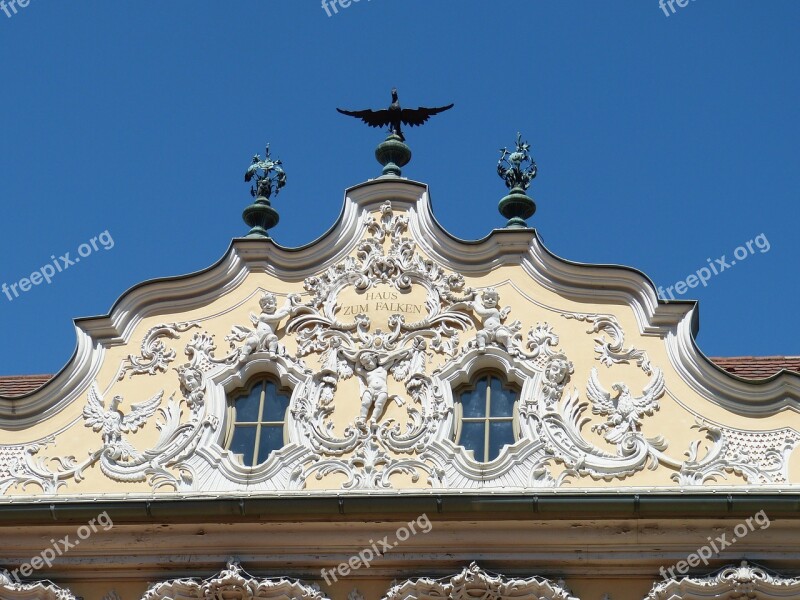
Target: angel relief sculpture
x=492 y=319
x=372 y=367
x=372 y=370
x=263 y=336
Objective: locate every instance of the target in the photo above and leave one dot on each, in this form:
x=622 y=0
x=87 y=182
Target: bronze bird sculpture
x=395 y=116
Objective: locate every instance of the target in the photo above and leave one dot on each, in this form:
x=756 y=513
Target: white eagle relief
x=624 y=412
x=113 y=423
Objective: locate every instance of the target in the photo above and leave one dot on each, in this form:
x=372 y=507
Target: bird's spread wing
x=417 y=116
x=654 y=390
x=373 y=118
x=94 y=412
x=601 y=399
x=140 y=413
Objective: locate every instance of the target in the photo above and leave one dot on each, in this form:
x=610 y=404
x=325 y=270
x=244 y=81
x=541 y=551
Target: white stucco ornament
x=373 y=333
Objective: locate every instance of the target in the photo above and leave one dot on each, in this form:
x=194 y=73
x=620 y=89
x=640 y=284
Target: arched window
x=485 y=415
x=257 y=421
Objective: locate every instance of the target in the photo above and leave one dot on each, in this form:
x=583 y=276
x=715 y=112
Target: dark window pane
x=500 y=434
x=247 y=406
x=474 y=403
x=472 y=438
x=271 y=440
x=244 y=442
x=502 y=399
x=275 y=404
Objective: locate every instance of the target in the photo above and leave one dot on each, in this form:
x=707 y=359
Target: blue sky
x=662 y=141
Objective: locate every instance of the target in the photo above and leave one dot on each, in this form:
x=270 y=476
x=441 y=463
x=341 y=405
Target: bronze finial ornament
x=517 y=169
x=395 y=116
x=393 y=153
x=510 y=166
x=269 y=178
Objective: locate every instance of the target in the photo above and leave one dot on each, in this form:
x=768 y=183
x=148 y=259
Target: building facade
x=393 y=413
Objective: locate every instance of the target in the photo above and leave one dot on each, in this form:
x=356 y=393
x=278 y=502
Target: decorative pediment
x=473 y=582
x=743 y=582
x=373 y=332
x=233 y=583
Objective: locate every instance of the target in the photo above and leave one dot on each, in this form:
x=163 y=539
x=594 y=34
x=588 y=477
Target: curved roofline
x=677 y=319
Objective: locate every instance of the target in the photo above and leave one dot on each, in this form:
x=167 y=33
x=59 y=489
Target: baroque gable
x=374 y=331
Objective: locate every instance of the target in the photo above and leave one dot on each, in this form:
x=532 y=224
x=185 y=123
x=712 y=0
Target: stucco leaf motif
x=612 y=351
x=155 y=356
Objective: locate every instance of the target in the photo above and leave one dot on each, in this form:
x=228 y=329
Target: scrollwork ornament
x=736 y=582
x=234 y=583
x=473 y=582
x=155 y=356
x=39 y=590
x=612 y=351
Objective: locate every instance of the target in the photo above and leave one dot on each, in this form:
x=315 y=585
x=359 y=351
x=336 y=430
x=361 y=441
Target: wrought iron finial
x=393 y=153
x=517 y=169
x=268 y=174
x=268 y=178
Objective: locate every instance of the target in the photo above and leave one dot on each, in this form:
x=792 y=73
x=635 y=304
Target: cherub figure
x=192 y=388
x=373 y=370
x=556 y=376
x=492 y=318
x=263 y=337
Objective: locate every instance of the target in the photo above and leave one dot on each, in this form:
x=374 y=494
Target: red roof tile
x=749 y=367
x=19 y=385
x=757 y=367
